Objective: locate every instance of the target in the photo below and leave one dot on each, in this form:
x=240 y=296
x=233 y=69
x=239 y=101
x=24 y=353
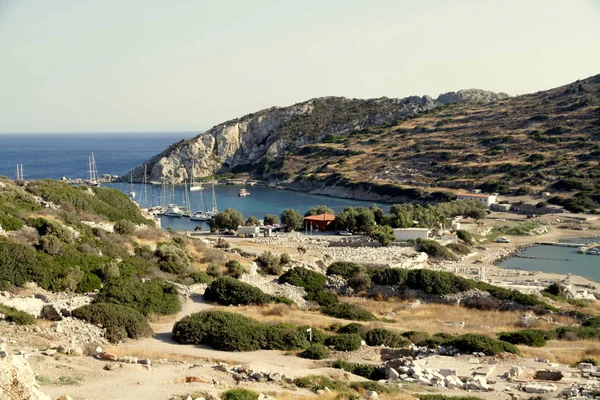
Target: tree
x=476 y=213
x=318 y=210
x=384 y=234
x=228 y=219
x=378 y=214
x=359 y=219
x=252 y=221
x=291 y=219
x=270 y=219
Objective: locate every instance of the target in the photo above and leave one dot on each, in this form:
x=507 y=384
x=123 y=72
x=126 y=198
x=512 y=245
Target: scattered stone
x=107 y=356
x=49 y=352
x=145 y=361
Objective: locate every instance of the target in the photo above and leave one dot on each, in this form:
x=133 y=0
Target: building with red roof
x=321 y=222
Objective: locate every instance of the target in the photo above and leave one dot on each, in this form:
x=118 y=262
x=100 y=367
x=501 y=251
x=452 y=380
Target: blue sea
x=57 y=155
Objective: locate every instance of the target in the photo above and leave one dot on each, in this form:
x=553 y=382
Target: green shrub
x=465 y=236
x=172 y=259
x=344 y=342
x=10 y=223
x=366 y=371
x=269 y=263
x=434 y=250
x=437 y=282
x=348 y=311
x=593 y=322
x=315 y=351
x=360 y=282
x=303 y=277
x=388 y=276
x=239 y=394
x=354 y=328
x=119 y=321
x=124 y=227
x=285 y=259
x=200 y=277
x=380 y=336
x=88 y=283
x=526 y=337
x=214 y=270
x=282 y=300
x=459 y=249
x=555 y=289
x=445 y=397
x=315 y=383
x=152 y=296
x=229 y=291
x=17 y=316
x=235 y=269
x=577 y=333
x=345 y=269
x=323 y=297
x=471 y=343
x=284 y=337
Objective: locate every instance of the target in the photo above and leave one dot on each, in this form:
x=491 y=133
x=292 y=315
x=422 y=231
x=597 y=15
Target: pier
x=576 y=245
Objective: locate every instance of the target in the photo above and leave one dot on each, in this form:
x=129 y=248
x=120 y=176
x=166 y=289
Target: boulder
x=50 y=313
x=17 y=380
x=392 y=374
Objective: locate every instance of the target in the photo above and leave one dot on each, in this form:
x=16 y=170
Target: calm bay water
x=261 y=201
x=557 y=259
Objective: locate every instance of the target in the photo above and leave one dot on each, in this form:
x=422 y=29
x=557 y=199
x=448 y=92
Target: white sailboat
x=93 y=179
x=194 y=187
x=214 y=210
x=173 y=210
x=202 y=214
x=186 y=209
x=131 y=191
x=144 y=194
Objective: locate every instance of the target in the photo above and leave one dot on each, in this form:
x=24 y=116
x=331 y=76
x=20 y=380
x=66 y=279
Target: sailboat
x=131 y=191
x=194 y=187
x=214 y=210
x=92 y=172
x=186 y=209
x=201 y=215
x=20 y=175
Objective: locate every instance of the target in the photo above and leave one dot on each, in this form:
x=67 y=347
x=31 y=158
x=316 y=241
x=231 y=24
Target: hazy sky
x=160 y=65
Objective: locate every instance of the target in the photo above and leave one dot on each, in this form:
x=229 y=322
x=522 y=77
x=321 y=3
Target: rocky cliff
x=246 y=144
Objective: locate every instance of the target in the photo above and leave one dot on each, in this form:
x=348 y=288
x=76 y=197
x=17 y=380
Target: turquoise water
x=555 y=259
x=261 y=201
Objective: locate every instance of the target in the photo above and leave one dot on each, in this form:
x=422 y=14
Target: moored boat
x=243 y=192
x=173 y=210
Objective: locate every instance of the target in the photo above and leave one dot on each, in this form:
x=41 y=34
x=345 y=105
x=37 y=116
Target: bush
x=388 y=276
x=214 y=270
x=200 y=277
x=172 y=259
x=577 y=333
x=291 y=219
x=152 y=296
x=10 y=223
x=119 y=321
x=270 y=219
x=354 y=328
x=380 y=336
x=222 y=244
x=588 y=360
x=235 y=269
x=465 y=236
x=555 y=289
x=593 y=322
x=384 y=234
x=344 y=342
x=124 y=227
x=285 y=259
x=323 y=297
x=17 y=316
x=345 y=269
x=366 y=371
x=360 y=282
x=239 y=394
x=229 y=291
x=233 y=332
x=348 y=311
x=434 y=250
x=437 y=282
x=530 y=338
x=471 y=343
x=459 y=249
x=303 y=277
x=315 y=351
x=269 y=263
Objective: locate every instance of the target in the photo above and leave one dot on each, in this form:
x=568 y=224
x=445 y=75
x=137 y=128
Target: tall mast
x=214 y=198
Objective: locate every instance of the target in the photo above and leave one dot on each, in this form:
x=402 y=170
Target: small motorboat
x=243 y=192
x=173 y=211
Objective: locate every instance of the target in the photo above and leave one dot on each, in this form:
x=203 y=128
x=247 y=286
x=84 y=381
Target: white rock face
x=17 y=380
x=274 y=131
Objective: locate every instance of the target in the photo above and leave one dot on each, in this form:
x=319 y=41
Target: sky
x=187 y=65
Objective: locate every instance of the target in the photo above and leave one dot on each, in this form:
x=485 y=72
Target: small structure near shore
x=404 y=234
x=321 y=222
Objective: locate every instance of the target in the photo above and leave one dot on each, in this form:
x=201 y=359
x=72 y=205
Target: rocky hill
x=398 y=149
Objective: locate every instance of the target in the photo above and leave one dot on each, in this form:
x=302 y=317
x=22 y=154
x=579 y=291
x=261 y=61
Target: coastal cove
x=262 y=200
x=556 y=259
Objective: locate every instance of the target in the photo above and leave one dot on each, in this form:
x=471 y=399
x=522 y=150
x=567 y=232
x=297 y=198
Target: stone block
x=392 y=374
x=447 y=372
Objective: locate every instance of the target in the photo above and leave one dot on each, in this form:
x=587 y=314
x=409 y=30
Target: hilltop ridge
x=401 y=149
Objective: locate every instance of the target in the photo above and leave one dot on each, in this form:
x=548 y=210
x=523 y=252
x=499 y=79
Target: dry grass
x=564 y=352
x=435 y=318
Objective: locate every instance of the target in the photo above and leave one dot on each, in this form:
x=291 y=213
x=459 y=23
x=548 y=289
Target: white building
x=404 y=234
x=248 y=231
x=486 y=199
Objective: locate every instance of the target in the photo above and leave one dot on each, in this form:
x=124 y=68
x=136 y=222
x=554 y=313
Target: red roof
x=321 y=217
x=481 y=196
